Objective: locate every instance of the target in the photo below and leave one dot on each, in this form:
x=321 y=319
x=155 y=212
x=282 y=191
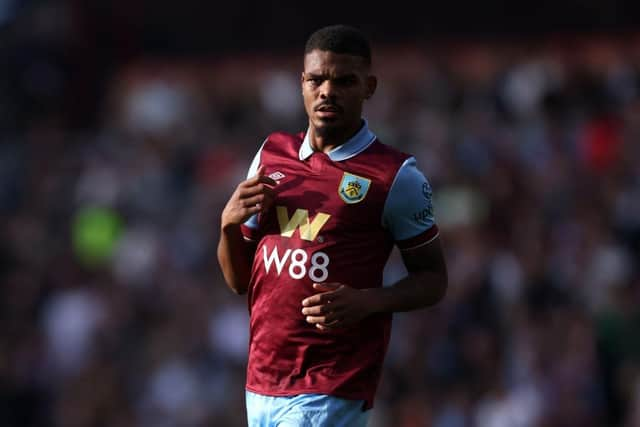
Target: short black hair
x=340 y=39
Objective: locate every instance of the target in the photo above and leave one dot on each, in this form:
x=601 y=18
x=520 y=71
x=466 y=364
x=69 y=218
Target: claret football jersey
x=335 y=218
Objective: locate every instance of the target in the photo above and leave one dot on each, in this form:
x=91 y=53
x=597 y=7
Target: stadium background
x=124 y=127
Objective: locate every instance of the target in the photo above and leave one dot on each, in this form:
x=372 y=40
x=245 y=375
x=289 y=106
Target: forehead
x=326 y=62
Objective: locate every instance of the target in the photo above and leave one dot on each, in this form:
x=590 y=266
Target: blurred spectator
x=114 y=312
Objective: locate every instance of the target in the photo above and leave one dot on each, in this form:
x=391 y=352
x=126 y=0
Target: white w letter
x=269 y=259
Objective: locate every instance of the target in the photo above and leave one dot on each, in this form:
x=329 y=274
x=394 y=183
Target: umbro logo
x=276 y=176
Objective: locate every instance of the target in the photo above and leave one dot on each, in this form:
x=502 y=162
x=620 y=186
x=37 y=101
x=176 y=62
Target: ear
x=372 y=84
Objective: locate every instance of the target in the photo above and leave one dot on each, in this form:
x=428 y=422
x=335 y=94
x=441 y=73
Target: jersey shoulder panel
x=282 y=143
x=379 y=161
x=391 y=154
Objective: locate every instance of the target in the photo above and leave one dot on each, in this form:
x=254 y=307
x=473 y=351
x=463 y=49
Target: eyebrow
x=324 y=76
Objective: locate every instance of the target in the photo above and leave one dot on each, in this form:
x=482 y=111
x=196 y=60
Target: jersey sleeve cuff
x=421 y=239
x=249 y=233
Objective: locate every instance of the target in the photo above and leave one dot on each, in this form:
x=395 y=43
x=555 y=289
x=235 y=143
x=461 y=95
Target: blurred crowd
x=114 y=313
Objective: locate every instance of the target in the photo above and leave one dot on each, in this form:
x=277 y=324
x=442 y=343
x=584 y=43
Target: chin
x=325 y=128
x=328 y=131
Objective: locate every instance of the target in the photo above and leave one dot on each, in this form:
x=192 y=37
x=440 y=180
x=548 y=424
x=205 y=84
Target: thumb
x=260 y=171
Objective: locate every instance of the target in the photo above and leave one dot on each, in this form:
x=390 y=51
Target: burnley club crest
x=353 y=188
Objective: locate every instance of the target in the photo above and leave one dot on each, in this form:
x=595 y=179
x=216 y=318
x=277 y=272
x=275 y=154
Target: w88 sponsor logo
x=299 y=263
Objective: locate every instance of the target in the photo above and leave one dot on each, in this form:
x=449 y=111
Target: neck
x=326 y=141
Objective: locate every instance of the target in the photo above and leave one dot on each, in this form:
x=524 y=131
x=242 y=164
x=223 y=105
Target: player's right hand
x=250 y=197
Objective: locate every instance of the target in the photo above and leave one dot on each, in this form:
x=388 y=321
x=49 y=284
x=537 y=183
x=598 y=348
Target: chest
x=318 y=195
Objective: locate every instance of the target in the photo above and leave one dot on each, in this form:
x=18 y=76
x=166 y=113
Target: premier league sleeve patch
x=353 y=188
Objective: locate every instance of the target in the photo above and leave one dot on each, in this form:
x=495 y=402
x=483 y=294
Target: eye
x=346 y=81
x=315 y=81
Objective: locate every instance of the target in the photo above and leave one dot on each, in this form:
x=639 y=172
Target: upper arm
x=428 y=257
x=250 y=249
x=408 y=210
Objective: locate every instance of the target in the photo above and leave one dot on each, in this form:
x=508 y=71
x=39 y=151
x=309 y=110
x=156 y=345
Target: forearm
x=417 y=290
x=338 y=305
x=234 y=258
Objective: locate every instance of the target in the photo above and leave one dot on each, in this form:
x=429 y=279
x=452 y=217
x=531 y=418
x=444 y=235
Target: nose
x=327 y=90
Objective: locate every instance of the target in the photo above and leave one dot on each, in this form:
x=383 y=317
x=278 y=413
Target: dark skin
x=339 y=305
x=235 y=255
x=334 y=88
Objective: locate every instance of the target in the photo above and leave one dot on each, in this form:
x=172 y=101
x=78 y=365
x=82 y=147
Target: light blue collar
x=358 y=143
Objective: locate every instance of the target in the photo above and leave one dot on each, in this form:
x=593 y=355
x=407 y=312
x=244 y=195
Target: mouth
x=328 y=111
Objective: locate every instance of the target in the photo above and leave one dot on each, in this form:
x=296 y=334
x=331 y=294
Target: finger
x=317 y=299
x=312 y=300
x=260 y=177
x=268 y=191
x=248 y=191
x=252 y=190
x=331 y=288
x=314 y=319
x=315 y=310
x=251 y=210
x=263 y=178
x=331 y=318
x=255 y=178
x=328 y=286
x=252 y=201
x=267 y=180
x=326 y=319
x=328 y=326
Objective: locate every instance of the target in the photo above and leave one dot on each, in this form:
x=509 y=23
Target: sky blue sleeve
x=408 y=210
x=252 y=222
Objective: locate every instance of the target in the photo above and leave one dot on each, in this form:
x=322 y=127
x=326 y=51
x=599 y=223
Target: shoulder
x=408 y=210
x=282 y=144
x=393 y=159
x=379 y=148
x=381 y=161
x=409 y=176
x=285 y=138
